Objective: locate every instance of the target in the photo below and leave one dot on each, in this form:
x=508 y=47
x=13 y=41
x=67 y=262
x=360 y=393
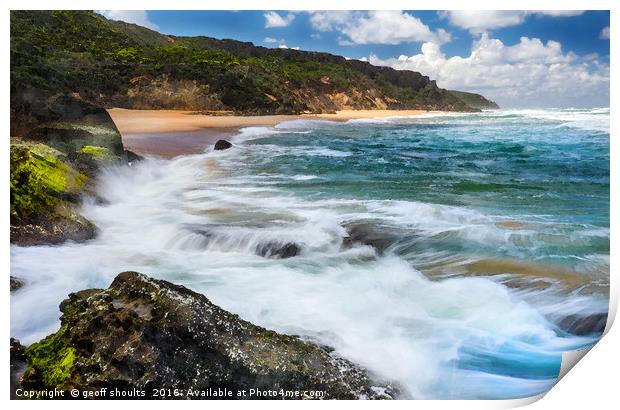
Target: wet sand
x=169 y=133
x=172 y=144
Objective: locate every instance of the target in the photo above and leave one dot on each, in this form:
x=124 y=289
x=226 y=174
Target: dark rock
x=221 y=145
x=56 y=136
x=270 y=249
x=582 y=325
x=279 y=250
x=51 y=230
x=63 y=121
x=143 y=333
x=16 y=283
x=377 y=236
x=18 y=365
x=90 y=160
x=131 y=156
x=58 y=142
x=46 y=190
x=84 y=163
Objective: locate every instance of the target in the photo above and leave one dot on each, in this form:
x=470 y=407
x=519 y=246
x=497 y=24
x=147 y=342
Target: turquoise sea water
x=441 y=252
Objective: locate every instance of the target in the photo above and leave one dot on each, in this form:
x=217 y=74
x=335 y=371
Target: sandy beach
x=158 y=121
x=169 y=133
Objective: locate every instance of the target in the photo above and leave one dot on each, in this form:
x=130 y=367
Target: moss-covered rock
x=147 y=334
x=61 y=142
x=45 y=192
x=39 y=179
x=51 y=360
x=90 y=159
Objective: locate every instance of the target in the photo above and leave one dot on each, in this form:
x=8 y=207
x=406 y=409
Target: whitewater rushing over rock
x=455 y=254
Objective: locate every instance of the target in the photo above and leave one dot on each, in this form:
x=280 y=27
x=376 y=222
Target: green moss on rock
x=45 y=192
x=52 y=359
x=101 y=155
x=97 y=152
x=39 y=179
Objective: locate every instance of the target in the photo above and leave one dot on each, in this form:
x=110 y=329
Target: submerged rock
x=583 y=325
x=278 y=250
x=269 y=249
x=16 y=283
x=367 y=233
x=221 y=145
x=145 y=334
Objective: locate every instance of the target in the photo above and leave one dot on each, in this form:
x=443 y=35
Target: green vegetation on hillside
x=113 y=63
x=474 y=100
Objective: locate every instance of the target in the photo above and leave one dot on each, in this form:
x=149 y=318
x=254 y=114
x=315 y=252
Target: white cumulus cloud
x=139 y=17
x=273 y=19
x=559 y=13
x=604 y=34
x=480 y=21
x=376 y=27
x=529 y=73
x=283 y=45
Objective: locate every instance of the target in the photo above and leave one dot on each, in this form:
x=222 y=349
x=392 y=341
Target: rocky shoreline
x=145 y=335
x=141 y=336
x=58 y=145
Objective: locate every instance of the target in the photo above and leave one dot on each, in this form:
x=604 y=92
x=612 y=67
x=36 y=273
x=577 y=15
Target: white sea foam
x=596 y=119
x=250 y=133
x=406 y=119
x=304 y=177
x=305 y=124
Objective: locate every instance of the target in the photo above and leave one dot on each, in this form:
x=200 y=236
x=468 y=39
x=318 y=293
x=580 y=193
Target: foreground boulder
x=148 y=334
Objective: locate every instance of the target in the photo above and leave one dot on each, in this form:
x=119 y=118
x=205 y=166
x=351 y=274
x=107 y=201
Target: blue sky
x=518 y=58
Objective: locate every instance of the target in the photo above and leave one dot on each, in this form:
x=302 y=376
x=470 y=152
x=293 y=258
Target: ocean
x=441 y=252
